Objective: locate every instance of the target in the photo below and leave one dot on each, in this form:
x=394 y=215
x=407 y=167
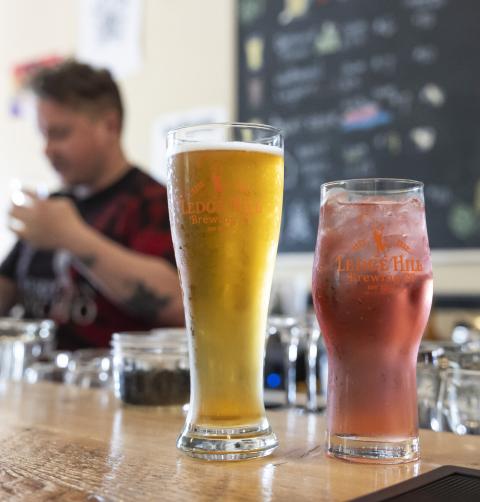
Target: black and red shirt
x=132 y=212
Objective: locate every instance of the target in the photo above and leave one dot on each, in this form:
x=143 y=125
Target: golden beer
x=225 y=208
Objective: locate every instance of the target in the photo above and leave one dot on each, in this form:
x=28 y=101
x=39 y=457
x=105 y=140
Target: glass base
x=373 y=450
x=239 y=443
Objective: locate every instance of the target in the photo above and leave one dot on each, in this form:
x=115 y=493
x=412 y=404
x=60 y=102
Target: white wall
x=189 y=61
x=23 y=37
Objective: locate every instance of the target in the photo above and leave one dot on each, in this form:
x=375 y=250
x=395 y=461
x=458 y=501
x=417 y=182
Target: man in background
x=96 y=257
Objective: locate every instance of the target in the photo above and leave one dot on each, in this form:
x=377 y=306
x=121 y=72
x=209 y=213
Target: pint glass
x=372 y=289
x=225 y=187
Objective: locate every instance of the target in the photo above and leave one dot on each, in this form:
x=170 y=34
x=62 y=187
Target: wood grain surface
x=68 y=444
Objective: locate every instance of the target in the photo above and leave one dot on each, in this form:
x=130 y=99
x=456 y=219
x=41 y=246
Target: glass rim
x=162 y=339
x=17 y=337
x=90 y=353
x=221 y=125
x=11 y=322
x=462 y=372
x=404 y=185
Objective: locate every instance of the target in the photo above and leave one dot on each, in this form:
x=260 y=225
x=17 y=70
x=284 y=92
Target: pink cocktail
x=372 y=290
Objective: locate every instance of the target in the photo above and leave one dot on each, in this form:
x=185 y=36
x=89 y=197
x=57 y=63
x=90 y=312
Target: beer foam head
x=229 y=145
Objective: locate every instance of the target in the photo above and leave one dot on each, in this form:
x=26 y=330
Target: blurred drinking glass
x=287 y=329
x=431 y=363
x=90 y=368
x=372 y=291
x=430 y=415
x=19 y=192
x=460 y=400
x=21 y=195
x=225 y=186
x=315 y=363
x=52 y=368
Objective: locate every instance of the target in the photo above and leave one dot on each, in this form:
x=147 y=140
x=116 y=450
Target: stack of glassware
x=300 y=336
x=22 y=342
x=448 y=384
x=448 y=373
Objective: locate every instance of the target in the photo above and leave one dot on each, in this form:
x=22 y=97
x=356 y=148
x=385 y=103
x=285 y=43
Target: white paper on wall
x=168 y=122
x=110 y=35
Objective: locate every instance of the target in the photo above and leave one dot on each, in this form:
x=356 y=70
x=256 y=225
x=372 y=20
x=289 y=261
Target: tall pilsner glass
x=225 y=188
x=372 y=288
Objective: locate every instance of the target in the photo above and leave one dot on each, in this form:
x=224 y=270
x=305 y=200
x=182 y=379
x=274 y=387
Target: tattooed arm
x=146 y=286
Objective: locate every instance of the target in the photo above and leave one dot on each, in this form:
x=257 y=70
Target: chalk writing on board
x=314 y=206
x=355 y=152
x=292 y=170
x=346 y=85
x=306 y=151
x=424 y=138
x=328 y=39
x=425 y=4
x=354 y=68
x=424 y=20
x=294 y=94
x=439 y=194
x=363 y=169
x=299 y=74
x=297 y=225
x=462 y=220
x=254 y=51
x=251 y=10
x=322 y=122
x=314 y=172
x=384 y=26
x=388 y=141
x=293 y=9
x=391 y=95
x=432 y=94
x=256 y=91
x=293 y=46
x=355 y=33
x=366 y=116
x=297 y=83
x=383 y=63
x=367 y=88
x=290 y=126
x=426 y=54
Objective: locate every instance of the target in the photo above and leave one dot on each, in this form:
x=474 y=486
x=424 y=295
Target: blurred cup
x=20 y=195
x=51 y=368
x=90 y=368
x=286 y=327
x=20 y=192
x=460 y=400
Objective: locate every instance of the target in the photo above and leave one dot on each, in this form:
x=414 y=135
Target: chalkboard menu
x=365 y=88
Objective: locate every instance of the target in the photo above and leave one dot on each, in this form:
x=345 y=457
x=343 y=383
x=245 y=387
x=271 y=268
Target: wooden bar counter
x=69 y=444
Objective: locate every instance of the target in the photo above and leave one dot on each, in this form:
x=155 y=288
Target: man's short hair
x=79 y=86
